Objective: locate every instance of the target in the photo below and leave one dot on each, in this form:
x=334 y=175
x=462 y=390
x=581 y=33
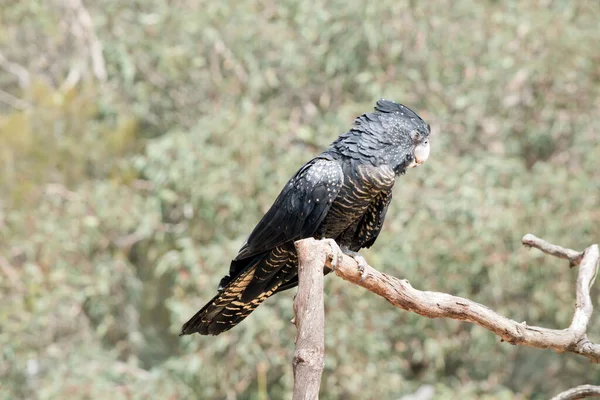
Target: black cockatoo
x=342 y=194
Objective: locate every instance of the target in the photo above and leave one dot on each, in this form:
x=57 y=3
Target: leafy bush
x=122 y=200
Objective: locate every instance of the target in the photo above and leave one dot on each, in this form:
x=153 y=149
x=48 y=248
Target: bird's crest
x=389 y=107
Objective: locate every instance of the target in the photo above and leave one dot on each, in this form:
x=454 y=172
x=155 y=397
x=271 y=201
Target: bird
x=342 y=194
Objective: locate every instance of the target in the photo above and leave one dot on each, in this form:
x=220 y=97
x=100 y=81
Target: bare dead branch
x=441 y=305
x=18 y=70
x=82 y=27
x=14 y=101
x=579 y=392
x=573 y=256
x=310 y=320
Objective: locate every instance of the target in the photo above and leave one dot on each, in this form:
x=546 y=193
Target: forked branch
x=308 y=307
x=401 y=294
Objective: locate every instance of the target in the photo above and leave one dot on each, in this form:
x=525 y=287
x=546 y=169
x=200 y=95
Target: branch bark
x=579 y=392
x=401 y=294
x=310 y=320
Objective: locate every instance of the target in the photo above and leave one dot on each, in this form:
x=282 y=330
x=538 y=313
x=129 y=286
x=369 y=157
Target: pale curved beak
x=422 y=152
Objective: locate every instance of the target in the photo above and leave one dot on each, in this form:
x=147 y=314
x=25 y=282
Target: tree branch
x=441 y=305
x=310 y=320
x=579 y=392
x=573 y=256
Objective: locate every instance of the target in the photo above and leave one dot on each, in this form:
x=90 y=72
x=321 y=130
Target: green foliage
x=59 y=137
x=123 y=200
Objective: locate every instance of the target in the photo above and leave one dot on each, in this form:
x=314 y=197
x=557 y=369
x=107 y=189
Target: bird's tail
x=225 y=310
x=240 y=296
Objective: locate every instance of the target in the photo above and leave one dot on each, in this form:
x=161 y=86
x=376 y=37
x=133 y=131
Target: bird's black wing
x=297 y=212
x=364 y=231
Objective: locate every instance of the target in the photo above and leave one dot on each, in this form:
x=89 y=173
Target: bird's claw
x=335 y=259
x=336 y=254
x=362 y=266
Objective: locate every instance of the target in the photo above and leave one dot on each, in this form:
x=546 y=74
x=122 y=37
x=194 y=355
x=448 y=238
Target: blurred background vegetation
x=141 y=140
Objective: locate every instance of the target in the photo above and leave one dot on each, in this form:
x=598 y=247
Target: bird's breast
x=361 y=187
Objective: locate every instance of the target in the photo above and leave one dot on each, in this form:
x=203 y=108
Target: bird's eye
x=415 y=135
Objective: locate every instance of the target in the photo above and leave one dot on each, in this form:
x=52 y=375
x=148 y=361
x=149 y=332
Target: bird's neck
x=370 y=149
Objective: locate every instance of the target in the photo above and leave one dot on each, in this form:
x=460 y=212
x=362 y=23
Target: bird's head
x=393 y=135
x=406 y=135
x=421 y=146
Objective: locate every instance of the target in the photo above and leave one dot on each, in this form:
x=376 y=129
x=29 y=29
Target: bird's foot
x=363 y=267
x=336 y=253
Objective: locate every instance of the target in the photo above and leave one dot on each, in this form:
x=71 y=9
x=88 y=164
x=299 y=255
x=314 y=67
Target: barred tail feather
x=260 y=278
x=225 y=310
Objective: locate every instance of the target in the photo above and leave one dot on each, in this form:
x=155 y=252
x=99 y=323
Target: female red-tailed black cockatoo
x=342 y=194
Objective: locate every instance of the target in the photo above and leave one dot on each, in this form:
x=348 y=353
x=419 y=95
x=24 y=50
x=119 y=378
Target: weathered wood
x=310 y=321
x=579 y=392
x=401 y=294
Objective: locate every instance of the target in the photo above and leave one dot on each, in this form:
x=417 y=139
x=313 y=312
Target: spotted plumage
x=342 y=194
